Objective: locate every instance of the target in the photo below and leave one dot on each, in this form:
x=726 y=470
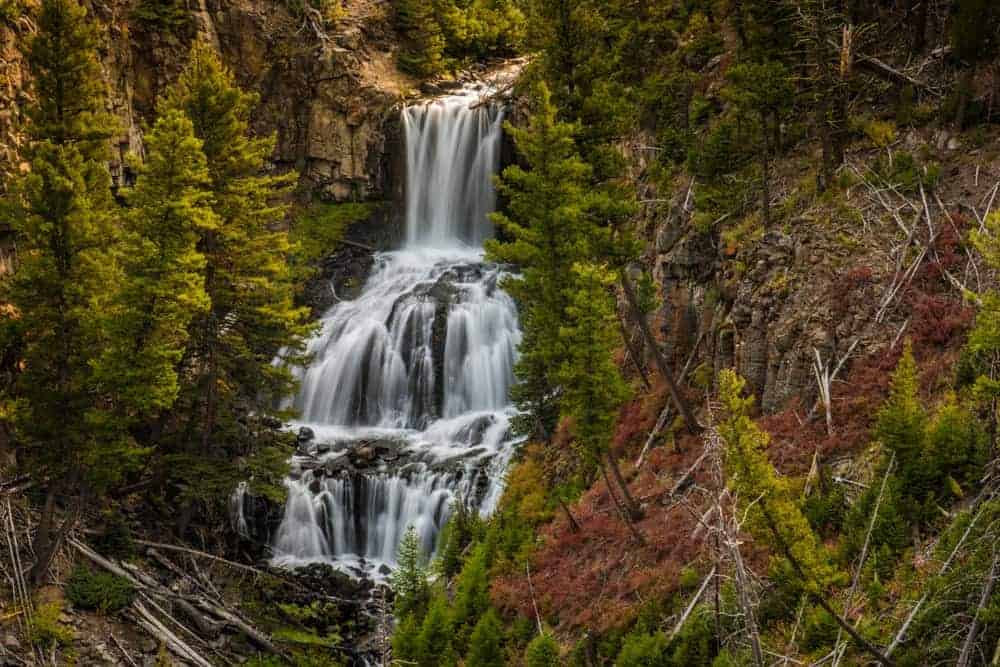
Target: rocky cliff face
x=326 y=91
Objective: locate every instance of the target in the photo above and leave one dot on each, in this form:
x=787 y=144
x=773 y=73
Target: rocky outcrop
x=329 y=97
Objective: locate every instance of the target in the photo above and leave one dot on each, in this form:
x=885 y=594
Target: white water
x=419 y=366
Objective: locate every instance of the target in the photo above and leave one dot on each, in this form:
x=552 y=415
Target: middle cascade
x=407 y=392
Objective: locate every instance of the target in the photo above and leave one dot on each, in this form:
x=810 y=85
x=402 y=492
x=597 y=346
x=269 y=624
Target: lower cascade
x=404 y=407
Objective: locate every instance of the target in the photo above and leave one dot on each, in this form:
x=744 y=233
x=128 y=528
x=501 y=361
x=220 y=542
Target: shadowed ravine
x=406 y=398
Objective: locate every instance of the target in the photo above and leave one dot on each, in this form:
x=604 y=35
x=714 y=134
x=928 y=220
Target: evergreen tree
x=593 y=388
x=764 y=90
x=484 y=644
x=769 y=505
x=163 y=286
x=435 y=639
x=406 y=639
x=552 y=221
x=64 y=219
x=423 y=53
x=247 y=278
x=472 y=594
x=409 y=581
x=543 y=651
x=766 y=497
x=902 y=423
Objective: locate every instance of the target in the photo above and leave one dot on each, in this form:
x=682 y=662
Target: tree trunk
x=765 y=175
x=919 y=23
x=634 y=511
x=573 y=525
x=621 y=510
x=633 y=302
x=634 y=354
x=42 y=544
x=964 y=96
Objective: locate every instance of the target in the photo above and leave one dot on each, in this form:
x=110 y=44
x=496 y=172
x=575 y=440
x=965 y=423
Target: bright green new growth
x=163 y=287
x=767 y=499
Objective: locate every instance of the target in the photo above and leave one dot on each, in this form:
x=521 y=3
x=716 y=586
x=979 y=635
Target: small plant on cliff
x=170 y=18
x=101 y=591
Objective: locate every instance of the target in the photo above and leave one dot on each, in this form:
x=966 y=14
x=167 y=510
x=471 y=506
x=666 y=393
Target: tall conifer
x=251 y=314
x=64 y=219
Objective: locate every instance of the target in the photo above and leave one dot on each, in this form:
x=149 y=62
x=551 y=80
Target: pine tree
x=163 y=285
x=769 y=505
x=543 y=651
x=974 y=39
x=552 y=221
x=593 y=388
x=64 y=219
x=406 y=639
x=435 y=639
x=409 y=581
x=485 y=649
x=472 y=594
x=247 y=278
x=423 y=54
x=902 y=421
x=764 y=90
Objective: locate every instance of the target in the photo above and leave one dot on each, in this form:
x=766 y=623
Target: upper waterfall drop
x=407 y=390
x=452 y=153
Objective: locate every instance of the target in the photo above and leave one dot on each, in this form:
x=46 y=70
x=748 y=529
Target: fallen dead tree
x=156 y=607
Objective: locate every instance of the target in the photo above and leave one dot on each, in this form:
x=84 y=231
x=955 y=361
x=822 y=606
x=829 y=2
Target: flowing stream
x=404 y=408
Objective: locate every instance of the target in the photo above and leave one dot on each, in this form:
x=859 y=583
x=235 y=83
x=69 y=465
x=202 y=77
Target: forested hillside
x=753 y=246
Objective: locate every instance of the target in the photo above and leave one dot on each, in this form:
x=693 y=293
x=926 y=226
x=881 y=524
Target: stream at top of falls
x=404 y=408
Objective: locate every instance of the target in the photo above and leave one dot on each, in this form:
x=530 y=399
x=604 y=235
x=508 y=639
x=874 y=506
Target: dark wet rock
x=305 y=435
x=384 y=569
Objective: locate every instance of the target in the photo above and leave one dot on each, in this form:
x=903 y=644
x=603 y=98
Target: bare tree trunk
x=573 y=525
x=765 y=176
x=919 y=23
x=634 y=354
x=634 y=511
x=970 y=639
x=621 y=510
x=683 y=409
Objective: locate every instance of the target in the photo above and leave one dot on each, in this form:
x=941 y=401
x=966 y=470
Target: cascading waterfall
x=405 y=402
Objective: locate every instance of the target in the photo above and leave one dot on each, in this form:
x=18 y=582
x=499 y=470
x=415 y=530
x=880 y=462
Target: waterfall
x=404 y=407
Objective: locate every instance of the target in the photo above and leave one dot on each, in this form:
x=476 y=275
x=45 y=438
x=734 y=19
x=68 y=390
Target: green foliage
x=542 y=651
x=485 y=648
x=767 y=499
x=101 y=591
x=593 y=388
x=409 y=580
x=247 y=279
x=10 y=9
x=463 y=528
x=643 y=650
x=435 y=638
x=440 y=34
x=162 y=291
x=306 y=638
x=318 y=229
x=116 y=538
x=45 y=630
x=472 y=593
x=170 y=18
x=423 y=54
x=63 y=213
x=553 y=220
